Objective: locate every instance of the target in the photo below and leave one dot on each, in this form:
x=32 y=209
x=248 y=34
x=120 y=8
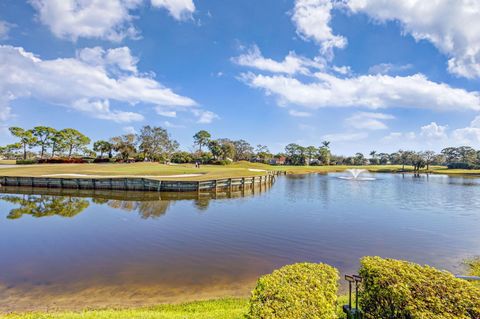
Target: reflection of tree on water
x=44 y=205
x=41 y=202
x=148 y=209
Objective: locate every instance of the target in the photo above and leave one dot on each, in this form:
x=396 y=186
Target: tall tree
x=326 y=144
x=73 y=140
x=451 y=154
x=57 y=143
x=295 y=154
x=103 y=147
x=201 y=138
x=428 y=157
x=124 y=145
x=228 y=148
x=263 y=153
x=243 y=150
x=215 y=148
x=324 y=155
x=44 y=135
x=26 y=138
x=155 y=143
x=311 y=152
x=359 y=159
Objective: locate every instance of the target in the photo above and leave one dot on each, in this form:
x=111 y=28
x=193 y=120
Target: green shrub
x=474 y=269
x=26 y=162
x=404 y=290
x=303 y=290
x=473 y=266
x=462 y=165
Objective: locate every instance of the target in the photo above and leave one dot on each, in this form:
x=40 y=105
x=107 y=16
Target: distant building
x=278 y=160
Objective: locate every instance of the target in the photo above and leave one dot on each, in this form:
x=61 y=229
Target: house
x=280 y=160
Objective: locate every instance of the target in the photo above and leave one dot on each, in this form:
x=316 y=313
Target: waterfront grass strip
x=230 y=308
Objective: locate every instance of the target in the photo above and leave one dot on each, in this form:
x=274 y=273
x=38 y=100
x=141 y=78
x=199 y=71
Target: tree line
x=153 y=143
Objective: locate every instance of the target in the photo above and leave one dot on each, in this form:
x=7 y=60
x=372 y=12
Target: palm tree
x=326 y=144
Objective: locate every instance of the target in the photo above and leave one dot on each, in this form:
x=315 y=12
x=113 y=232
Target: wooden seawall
x=138 y=184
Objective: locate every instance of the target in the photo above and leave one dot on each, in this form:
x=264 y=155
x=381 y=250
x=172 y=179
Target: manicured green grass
x=211 y=309
x=230 y=308
x=208 y=172
x=7 y=162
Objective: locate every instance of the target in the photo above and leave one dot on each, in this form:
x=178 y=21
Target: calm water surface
x=124 y=249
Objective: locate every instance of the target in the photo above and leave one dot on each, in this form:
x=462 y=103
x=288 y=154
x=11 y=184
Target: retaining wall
x=138 y=184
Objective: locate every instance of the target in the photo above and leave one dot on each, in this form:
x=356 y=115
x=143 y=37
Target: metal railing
x=353 y=313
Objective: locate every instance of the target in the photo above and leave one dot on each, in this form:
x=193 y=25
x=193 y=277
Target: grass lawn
x=230 y=308
x=207 y=172
x=211 y=309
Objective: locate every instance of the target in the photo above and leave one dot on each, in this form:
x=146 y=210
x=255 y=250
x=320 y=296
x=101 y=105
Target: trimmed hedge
x=104 y=160
x=404 y=290
x=62 y=160
x=26 y=162
x=462 y=165
x=303 y=290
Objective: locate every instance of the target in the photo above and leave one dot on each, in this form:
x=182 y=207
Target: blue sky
x=372 y=74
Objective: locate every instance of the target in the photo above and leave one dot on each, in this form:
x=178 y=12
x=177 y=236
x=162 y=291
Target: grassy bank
x=205 y=172
x=211 y=309
x=230 y=308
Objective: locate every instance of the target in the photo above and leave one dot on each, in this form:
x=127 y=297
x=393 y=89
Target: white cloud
x=129 y=130
x=172 y=125
x=4 y=29
x=399 y=136
x=179 y=9
x=469 y=135
x=299 y=113
x=167 y=112
x=388 y=68
x=344 y=70
x=312 y=19
x=84 y=86
x=368 y=120
x=453 y=26
x=476 y=122
x=101 y=19
x=345 y=137
x=369 y=91
x=120 y=58
x=72 y=19
x=433 y=131
x=204 y=117
x=290 y=65
x=435 y=136
x=100 y=109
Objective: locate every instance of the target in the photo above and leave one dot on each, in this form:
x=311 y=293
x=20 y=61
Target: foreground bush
x=404 y=290
x=302 y=290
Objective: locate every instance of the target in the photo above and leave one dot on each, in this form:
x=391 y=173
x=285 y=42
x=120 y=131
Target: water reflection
x=43 y=202
x=44 y=205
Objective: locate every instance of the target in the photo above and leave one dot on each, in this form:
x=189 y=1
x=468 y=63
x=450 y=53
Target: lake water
x=128 y=249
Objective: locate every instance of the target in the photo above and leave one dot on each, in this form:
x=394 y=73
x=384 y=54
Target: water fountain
x=355 y=175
